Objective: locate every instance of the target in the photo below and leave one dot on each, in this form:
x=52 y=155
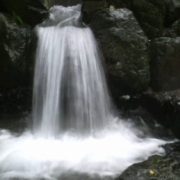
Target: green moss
x=17 y=18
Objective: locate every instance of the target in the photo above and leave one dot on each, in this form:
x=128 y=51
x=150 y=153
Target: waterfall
x=75 y=132
x=70 y=92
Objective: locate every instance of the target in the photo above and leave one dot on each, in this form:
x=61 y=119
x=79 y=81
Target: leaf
x=152 y=172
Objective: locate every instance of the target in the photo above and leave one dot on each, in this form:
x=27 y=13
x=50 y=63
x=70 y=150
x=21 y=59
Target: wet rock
x=125 y=48
x=90 y=7
x=150 y=15
x=165 y=107
x=176 y=27
x=14 y=68
x=165 y=63
x=29 y=11
x=174 y=30
x=15 y=101
x=121 y=3
x=65 y=3
x=156 y=167
x=172 y=12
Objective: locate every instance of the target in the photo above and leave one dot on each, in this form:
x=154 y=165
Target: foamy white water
x=74 y=127
x=108 y=154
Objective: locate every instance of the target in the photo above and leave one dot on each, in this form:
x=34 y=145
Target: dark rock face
x=165 y=63
x=150 y=15
x=176 y=27
x=173 y=31
x=15 y=101
x=31 y=12
x=65 y=3
x=156 y=167
x=90 y=7
x=13 y=43
x=172 y=11
x=165 y=106
x=125 y=48
x=121 y=3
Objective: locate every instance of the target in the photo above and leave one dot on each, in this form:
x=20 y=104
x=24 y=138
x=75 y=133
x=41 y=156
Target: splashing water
x=74 y=126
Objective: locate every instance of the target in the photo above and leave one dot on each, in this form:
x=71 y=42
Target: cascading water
x=69 y=89
x=74 y=128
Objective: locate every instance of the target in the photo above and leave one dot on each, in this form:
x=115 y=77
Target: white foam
x=107 y=154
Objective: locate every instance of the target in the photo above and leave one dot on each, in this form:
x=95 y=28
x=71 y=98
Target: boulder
x=125 y=48
x=175 y=29
x=156 y=167
x=31 y=12
x=165 y=107
x=65 y=3
x=150 y=15
x=90 y=7
x=121 y=3
x=14 y=68
x=165 y=63
x=172 y=12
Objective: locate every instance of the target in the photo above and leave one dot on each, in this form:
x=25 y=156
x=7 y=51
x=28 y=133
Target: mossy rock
x=31 y=12
x=13 y=47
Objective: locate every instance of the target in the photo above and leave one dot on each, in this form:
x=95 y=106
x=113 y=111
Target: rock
x=165 y=63
x=125 y=48
x=150 y=15
x=65 y=3
x=14 y=69
x=90 y=7
x=32 y=12
x=46 y=3
x=175 y=29
x=156 y=167
x=15 y=101
x=165 y=106
x=121 y=3
x=172 y=12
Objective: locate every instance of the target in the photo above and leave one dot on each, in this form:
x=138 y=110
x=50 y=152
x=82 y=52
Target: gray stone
x=90 y=7
x=31 y=12
x=65 y=2
x=172 y=11
x=174 y=30
x=165 y=63
x=164 y=106
x=13 y=43
x=150 y=15
x=156 y=167
x=125 y=48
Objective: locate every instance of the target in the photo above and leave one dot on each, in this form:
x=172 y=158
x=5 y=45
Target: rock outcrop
x=13 y=47
x=172 y=12
x=125 y=48
x=156 y=167
x=165 y=63
x=31 y=12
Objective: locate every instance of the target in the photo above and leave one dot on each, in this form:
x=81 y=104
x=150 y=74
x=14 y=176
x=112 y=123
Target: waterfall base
x=106 y=155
